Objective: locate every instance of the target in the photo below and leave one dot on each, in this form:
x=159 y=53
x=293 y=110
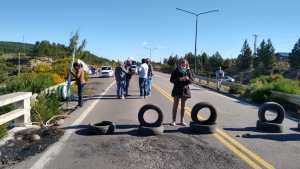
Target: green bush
x=237 y=89
x=28 y=82
x=260 y=88
x=3 y=131
x=46 y=106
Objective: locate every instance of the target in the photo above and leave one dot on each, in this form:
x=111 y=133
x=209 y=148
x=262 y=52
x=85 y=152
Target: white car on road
x=106 y=71
x=228 y=79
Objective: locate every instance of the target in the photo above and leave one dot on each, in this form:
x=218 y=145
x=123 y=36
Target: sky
x=118 y=29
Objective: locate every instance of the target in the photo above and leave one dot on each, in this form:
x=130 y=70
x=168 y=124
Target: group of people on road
x=181 y=78
x=123 y=75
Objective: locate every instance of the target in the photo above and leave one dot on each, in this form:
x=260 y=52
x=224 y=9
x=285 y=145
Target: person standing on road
x=219 y=77
x=128 y=75
x=120 y=76
x=149 y=79
x=181 y=78
x=80 y=81
x=143 y=76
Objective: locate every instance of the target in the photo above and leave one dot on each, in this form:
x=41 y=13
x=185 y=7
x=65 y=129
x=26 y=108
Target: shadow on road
x=276 y=137
x=109 y=97
x=265 y=135
x=242 y=129
x=126 y=129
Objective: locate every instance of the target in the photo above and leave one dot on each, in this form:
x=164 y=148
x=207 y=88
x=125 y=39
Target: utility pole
x=255 y=39
x=254 y=50
x=19 y=56
x=196 y=32
x=150 y=51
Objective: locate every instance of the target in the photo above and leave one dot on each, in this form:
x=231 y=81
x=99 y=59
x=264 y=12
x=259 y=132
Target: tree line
x=263 y=62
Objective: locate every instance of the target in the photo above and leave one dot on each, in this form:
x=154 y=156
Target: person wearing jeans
x=120 y=76
x=80 y=81
x=128 y=75
x=149 y=79
x=79 y=90
x=143 y=76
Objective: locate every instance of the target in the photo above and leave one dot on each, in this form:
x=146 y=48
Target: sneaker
x=173 y=123
x=183 y=124
x=123 y=97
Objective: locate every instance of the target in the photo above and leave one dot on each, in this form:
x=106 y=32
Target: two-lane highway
x=174 y=149
x=236 y=117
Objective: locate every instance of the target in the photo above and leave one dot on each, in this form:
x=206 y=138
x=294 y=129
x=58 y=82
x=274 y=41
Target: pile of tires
x=200 y=126
x=270 y=126
x=150 y=129
x=102 y=128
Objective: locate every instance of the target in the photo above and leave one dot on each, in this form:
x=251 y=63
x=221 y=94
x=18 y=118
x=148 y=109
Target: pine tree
x=294 y=57
x=266 y=56
x=245 y=59
x=216 y=61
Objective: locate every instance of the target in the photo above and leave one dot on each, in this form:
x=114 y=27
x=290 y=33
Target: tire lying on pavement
x=145 y=108
x=269 y=127
x=104 y=127
x=213 y=113
x=202 y=129
x=271 y=106
x=150 y=131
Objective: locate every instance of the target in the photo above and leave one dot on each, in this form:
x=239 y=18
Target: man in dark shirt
x=150 y=74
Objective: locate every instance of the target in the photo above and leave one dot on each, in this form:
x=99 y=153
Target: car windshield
x=106 y=68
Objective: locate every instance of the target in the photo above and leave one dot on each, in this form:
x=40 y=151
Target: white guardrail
x=21 y=115
x=295 y=99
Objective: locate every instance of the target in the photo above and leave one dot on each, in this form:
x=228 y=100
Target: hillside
x=9 y=50
x=15 y=47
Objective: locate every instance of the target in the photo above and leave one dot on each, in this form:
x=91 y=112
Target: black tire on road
x=271 y=106
x=213 y=113
x=150 y=131
x=104 y=127
x=202 y=129
x=145 y=108
x=269 y=127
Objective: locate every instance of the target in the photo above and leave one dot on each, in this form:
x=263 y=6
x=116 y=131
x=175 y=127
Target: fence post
x=27 y=107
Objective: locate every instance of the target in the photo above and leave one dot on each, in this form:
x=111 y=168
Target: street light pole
x=196 y=33
x=196 y=44
x=150 y=51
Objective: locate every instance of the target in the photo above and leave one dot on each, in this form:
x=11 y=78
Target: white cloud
x=145 y=43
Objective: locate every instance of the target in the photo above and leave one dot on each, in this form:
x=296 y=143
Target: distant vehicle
x=106 y=71
x=92 y=70
x=228 y=79
x=134 y=69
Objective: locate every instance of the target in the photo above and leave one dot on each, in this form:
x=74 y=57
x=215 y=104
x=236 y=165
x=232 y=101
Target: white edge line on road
x=55 y=149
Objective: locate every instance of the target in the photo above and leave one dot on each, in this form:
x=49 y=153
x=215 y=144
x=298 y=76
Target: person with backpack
x=120 y=76
x=181 y=78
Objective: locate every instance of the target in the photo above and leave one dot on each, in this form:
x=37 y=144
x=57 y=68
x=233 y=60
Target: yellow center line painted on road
x=228 y=141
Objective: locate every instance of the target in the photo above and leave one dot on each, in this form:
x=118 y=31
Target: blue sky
x=117 y=29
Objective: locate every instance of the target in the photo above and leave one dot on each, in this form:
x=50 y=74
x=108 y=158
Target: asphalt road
x=174 y=149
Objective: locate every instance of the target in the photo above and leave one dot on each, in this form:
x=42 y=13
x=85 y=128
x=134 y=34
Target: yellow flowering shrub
x=57 y=78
